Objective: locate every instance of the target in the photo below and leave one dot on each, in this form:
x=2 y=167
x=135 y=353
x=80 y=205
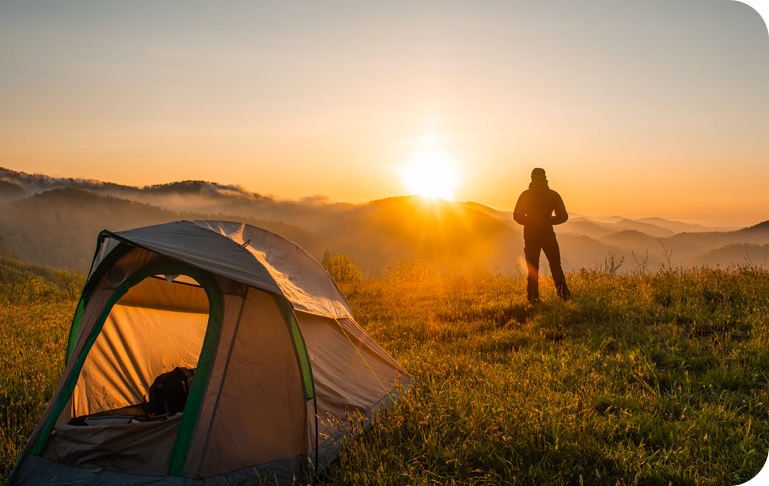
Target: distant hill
x=657 y=227
x=676 y=226
x=506 y=216
x=188 y=188
x=739 y=254
x=598 y=219
x=584 y=227
x=54 y=221
x=9 y=190
x=760 y=230
x=453 y=235
x=646 y=228
x=34 y=183
x=632 y=240
x=704 y=242
x=578 y=251
x=54 y=227
x=200 y=197
x=59 y=227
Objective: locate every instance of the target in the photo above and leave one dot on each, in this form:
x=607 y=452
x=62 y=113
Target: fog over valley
x=55 y=221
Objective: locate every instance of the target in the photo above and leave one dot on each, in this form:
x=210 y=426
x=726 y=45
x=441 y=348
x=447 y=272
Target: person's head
x=538 y=175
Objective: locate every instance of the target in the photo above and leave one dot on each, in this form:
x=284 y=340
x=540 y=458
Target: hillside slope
x=55 y=221
x=59 y=227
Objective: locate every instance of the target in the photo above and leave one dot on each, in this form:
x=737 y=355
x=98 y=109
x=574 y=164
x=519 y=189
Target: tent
x=279 y=364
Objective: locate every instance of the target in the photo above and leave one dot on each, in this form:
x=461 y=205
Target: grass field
x=645 y=378
x=36 y=307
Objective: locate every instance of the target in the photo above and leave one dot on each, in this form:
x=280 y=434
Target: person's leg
x=531 y=250
x=553 y=254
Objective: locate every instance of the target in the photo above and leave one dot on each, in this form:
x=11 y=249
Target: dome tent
x=277 y=356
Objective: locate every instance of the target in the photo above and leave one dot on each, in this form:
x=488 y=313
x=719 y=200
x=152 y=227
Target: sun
x=432 y=174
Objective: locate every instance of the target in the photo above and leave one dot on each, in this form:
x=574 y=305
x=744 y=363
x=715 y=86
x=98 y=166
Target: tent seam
x=193 y=223
x=299 y=248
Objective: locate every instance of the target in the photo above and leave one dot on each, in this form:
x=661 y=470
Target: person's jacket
x=536 y=205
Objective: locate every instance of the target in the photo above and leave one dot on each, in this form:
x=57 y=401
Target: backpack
x=168 y=393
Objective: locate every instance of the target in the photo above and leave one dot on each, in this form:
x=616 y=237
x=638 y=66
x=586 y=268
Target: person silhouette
x=534 y=210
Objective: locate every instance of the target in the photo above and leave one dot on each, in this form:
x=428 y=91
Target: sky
x=654 y=108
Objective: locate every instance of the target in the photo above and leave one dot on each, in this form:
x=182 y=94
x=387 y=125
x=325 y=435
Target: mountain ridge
x=376 y=234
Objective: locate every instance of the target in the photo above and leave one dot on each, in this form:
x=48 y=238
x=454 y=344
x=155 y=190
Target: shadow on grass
x=517 y=313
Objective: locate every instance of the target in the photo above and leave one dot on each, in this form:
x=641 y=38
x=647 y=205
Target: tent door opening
x=133 y=386
x=148 y=347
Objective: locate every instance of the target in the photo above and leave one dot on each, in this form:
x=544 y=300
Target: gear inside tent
x=206 y=352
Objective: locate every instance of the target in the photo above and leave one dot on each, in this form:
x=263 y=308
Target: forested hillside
x=55 y=221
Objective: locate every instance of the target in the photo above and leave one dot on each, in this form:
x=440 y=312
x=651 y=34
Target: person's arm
x=561 y=216
x=519 y=213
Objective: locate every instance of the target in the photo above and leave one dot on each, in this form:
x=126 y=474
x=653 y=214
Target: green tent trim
x=299 y=346
x=90 y=285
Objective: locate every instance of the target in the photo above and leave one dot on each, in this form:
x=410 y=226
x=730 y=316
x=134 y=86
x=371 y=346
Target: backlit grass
x=645 y=379
x=35 y=315
x=640 y=379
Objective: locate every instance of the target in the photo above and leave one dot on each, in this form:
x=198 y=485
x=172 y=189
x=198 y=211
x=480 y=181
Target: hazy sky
x=652 y=108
